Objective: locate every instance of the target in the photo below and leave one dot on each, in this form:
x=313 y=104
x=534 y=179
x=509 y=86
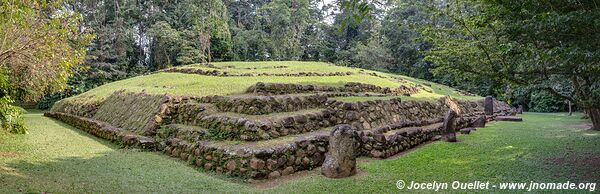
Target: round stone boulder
x=340 y=160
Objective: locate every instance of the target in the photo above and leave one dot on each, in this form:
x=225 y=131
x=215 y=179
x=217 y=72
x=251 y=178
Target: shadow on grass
x=80 y=132
x=56 y=157
x=122 y=171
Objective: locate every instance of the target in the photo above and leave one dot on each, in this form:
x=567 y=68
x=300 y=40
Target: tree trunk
x=209 y=55
x=570 y=109
x=594 y=114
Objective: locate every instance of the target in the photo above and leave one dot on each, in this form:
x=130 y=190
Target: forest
x=437 y=40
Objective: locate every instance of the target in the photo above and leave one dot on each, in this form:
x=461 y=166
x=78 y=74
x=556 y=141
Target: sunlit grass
x=199 y=85
x=275 y=67
x=57 y=158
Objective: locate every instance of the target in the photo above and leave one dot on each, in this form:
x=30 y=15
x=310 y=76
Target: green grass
x=199 y=85
x=268 y=67
x=57 y=158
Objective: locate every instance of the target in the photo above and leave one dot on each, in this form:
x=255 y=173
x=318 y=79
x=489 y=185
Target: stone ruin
x=449 y=126
x=278 y=129
x=340 y=160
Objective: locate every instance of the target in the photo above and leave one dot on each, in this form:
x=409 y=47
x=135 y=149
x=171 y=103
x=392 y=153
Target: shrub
x=11 y=117
x=542 y=101
x=215 y=134
x=48 y=100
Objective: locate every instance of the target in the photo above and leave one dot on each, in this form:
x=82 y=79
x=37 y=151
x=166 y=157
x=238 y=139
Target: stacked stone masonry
x=92 y=126
x=226 y=74
x=274 y=144
x=362 y=115
x=105 y=130
x=289 y=88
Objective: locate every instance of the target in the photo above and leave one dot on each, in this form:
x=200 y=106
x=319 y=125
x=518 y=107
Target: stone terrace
x=273 y=129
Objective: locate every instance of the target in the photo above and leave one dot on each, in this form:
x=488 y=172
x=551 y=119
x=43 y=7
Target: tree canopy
x=40 y=44
x=551 y=46
x=518 y=51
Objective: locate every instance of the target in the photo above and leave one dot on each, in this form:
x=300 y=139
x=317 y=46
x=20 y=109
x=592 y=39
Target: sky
x=328 y=19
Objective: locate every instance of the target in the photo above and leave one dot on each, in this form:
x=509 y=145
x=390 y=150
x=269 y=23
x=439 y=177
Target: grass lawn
x=200 y=85
x=57 y=158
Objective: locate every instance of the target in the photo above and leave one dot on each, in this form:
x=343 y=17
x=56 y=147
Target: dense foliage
x=40 y=44
x=546 y=46
x=11 y=118
x=136 y=37
x=543 y=101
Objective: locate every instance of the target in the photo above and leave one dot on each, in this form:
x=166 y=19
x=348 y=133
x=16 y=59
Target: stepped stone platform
x=273 y=129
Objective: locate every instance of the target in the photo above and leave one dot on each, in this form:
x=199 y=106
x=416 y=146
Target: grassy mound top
x=203 y=85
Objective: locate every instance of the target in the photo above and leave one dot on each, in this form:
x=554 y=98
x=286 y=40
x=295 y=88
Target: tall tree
x=202 y=25
x=400 y=30
x=285 y=21
x=548 y=45
x=40 y=44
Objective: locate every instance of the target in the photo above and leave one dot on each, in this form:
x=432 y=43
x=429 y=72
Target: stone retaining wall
x=362 y=115
x=77 y=107
x=225 y=73
x=289 y=88
x=287 y=158
x=384 y=146
x=249 y=105
x=136 y=112
x=257 y=163
x=258 y=105
x=188 y=113
x=92 y=126
x=105 y=130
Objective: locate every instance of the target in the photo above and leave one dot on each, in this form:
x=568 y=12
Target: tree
x=197 y=31
x=373 y=55
x=117 y=51
x=342 y=37
x=40 y=44
x=400 y=30
x=166 y=44
x=251 y=45
x=552 y=46
x=285 y=21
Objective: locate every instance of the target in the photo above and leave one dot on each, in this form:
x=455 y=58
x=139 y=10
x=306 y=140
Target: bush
x=11 y=117
x=542 y=101
x=48 y=100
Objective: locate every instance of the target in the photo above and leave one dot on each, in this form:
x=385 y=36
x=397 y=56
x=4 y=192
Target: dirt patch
x=8 y=155
x=585 y=166
x=584 y=126
x=267 y=184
